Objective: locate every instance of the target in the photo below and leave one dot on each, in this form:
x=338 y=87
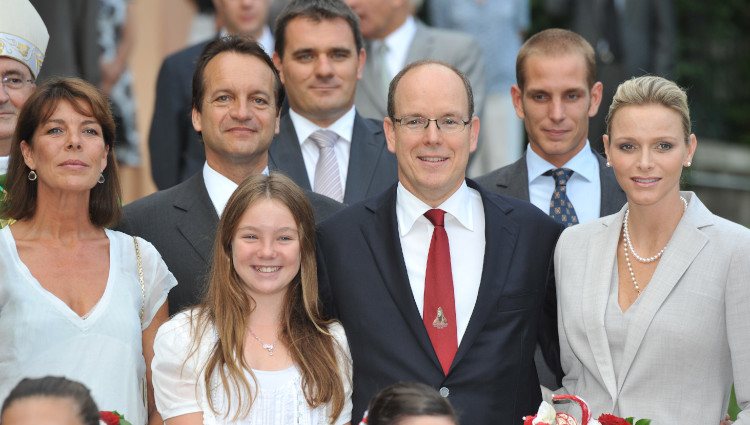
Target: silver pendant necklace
x=269 y=347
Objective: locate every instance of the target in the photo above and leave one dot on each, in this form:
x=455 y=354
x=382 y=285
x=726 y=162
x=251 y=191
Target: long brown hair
x=104 y=203
x=227 y=306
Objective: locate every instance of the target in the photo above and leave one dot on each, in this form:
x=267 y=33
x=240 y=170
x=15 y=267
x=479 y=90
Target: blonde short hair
x=651 y=90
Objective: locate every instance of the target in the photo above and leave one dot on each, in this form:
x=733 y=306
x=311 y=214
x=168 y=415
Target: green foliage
x=734 y=408
x=713 y=62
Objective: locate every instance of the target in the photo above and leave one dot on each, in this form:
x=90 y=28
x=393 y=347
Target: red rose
x=607 y=419
x=110 y=418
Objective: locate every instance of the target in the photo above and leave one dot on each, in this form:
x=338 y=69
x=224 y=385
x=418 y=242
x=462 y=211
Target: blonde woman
x=256 y=350
x=653 y=300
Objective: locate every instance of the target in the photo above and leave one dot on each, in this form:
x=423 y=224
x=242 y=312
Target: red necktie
x=439 y=313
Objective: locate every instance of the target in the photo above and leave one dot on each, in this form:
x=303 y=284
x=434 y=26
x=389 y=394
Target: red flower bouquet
x=546 y=415
x=112 y=418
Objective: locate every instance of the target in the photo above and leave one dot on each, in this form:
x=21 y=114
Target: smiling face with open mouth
x=431 y=163
x=266 y=248
x=647 y=150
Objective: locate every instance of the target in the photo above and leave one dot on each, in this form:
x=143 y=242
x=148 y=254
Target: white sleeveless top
x=40 y=335
x=179 y=386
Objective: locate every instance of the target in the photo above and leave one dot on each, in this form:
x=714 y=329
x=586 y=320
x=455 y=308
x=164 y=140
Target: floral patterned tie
x=560 y=207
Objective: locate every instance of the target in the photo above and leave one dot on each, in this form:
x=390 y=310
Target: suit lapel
x=285 y=149
x=501 y=234
x=687 y=241
x=199 y=221
x=421 y=46
x=363 y=157
x=515 y=179
x=598 y=274
x=381 y=235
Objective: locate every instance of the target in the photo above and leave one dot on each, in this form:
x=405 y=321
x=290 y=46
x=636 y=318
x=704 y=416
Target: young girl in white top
x=256 y=350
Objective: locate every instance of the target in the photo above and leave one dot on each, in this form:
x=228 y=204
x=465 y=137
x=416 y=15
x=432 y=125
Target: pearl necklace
x=266 y=346
x=628 y=246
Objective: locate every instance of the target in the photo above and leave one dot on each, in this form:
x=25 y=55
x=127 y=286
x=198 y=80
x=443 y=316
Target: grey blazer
x=181 y=223
x=689 y=338
x=372 y=168
x=513 y=180
x=453 y=47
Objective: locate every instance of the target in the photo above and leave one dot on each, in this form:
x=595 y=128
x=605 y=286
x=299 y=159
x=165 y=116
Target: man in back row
x=323 y=143
x=175 y=148
x=437 y=280
x=237 y=98
x=555 y=95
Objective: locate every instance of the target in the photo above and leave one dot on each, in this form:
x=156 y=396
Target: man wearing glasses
x=23 y=41
x=437 y=280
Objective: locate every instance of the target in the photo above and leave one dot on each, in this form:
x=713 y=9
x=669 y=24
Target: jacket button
x=444 y=391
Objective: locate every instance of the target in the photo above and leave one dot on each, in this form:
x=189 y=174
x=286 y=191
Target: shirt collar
x=265 y=40
x=219 y=187
x=402 y=36
x=410 y=208
x=585 y=164
x=343 y=127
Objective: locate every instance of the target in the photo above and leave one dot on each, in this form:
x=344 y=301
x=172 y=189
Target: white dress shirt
x=398 y=43
x=464 y=223
x=219 y=187
x=3 y=164
x=343 y=127
x=583 y=188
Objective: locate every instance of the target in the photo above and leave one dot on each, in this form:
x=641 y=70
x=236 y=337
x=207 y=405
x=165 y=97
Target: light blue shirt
x=583 y=189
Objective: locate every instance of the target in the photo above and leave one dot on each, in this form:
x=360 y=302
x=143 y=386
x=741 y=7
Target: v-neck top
x=40 y=334
x=617 y=322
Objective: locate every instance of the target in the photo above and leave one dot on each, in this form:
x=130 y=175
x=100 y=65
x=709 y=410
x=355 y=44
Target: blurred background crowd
x=703 y=46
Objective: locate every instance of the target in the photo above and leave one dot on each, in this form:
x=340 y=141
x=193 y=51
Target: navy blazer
x=371 y=170
x=364 y=283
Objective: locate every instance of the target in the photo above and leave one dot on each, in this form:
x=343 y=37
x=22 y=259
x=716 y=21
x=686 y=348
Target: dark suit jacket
x=364 y=282
x=181 y=223
x=513 y=180
x=372 y=168
x=175 y=147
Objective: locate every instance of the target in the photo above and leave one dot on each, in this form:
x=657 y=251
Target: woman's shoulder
x=180 y=326
x=123 y=238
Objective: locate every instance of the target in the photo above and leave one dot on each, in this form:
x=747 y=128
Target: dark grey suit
x=513 y=180
x=181 y=223
x=175 y=147
x=452 y=47
x=372 y=168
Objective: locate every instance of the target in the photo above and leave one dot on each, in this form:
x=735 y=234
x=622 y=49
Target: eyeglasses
x=419 y=124
x=13 y=82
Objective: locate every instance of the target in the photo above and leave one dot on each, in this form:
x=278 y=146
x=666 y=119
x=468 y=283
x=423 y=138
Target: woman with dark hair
x=76 y=299
x=257 y=350
x=410 y=403
x=50 y=399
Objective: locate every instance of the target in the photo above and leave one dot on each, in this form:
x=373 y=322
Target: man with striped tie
x=323 y=143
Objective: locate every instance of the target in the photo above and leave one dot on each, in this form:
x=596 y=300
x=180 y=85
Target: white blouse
x=40 y=335
x=179 y=386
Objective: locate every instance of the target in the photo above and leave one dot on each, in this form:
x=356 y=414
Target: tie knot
x=436 y=217
x=561 y=175
x=324 y=138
